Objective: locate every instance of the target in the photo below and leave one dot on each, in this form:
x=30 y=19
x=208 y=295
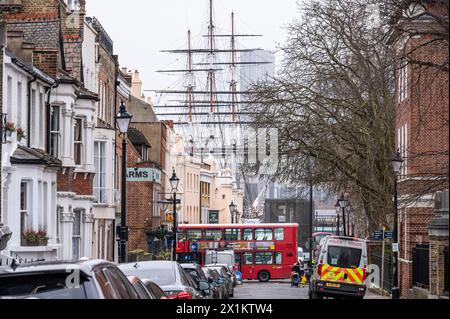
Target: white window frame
x=9 y=92
x=19 y=104
x=78 y=143
x=100 y=185
x=25 y=211
x=55 y=133
x=76 y=237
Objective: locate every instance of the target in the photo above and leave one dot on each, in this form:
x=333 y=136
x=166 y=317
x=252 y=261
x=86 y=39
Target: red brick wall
x=139 y=204
x=425 y=112
x=79 y=183
x=42 y=25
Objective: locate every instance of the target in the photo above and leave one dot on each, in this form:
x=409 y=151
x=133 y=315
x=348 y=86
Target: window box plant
x=10 y=128
x=20 y=134
x=32 y=238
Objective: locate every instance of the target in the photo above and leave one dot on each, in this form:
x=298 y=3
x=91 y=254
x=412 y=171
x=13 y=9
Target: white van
x=340 y=268
x=221 y=257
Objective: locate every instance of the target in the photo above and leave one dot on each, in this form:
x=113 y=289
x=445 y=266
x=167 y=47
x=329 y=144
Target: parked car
x=154 y=289
x=168 y=275
x=214 y=279
x=196 y=273
x=230 y=270
x=225 y=274
x=140 y=288
x=83 y=279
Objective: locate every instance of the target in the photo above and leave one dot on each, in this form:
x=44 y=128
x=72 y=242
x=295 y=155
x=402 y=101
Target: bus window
x=279 y=233
x=213 y=234
x=248 y=234
x=248 y=258
x=232 y=234
x=263 y=258
x=278 y=258
x=193 y=234
x=263 y=234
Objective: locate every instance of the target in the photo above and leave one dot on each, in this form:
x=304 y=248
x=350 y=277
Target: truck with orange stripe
x=340 y=268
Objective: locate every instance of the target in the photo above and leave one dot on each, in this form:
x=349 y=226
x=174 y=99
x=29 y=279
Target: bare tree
x=333 y=104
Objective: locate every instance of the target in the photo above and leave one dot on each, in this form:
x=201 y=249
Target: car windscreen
x=42 y=286
x=160 y=276
x=344 y=257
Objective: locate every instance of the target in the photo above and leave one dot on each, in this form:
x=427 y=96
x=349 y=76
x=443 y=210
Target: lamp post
x=233 y=211
x=343 y=203
x=174 y=181
x=338 y=211
x=123 y=120
x=396 y=162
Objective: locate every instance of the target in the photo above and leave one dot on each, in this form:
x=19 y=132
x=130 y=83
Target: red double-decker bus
x=262 y=251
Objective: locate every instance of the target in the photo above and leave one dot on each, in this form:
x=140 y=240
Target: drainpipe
x=29 y=109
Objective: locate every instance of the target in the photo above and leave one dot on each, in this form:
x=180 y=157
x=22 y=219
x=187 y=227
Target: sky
x=140 y=29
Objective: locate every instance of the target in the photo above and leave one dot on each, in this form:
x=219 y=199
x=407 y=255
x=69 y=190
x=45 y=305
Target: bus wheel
x=264 y=276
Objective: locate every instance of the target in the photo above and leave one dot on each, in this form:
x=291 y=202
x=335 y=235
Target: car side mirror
x=210 y=280
x=221 y=281
x=229 y=275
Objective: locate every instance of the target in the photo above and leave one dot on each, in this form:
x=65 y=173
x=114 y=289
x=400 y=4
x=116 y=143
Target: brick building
x=421 y=132
x=50 y=34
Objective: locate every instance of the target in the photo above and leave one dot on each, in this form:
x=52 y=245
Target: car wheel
x=264 y=276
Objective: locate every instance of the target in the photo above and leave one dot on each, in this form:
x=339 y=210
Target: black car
x=197 y=275
x=218 y=283
x=169 y=275
x=87 y=279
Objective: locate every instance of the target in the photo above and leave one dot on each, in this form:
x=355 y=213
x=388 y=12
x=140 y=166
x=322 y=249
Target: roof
x=25 y=155
x=32 y=70
x=234 y=225
x=52 y=266
x=148 y=264
x=137 y=138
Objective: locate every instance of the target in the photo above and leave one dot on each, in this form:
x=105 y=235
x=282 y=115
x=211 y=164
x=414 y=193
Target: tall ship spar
x=209 y=109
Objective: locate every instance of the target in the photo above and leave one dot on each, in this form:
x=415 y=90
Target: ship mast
x=233 y=71
x=190 y=75
x=211 y=73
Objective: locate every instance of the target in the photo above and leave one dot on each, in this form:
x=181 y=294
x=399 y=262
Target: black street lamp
x=233 y=211
x=343 y=203
x=338 y=212
x=396 y=162
x=123 y=120
x=174 y=181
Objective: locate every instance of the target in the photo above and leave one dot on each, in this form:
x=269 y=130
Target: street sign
x=389 y=234
x=144 y=175
x=378 y=235
x=194 y=247
x=395 y=247
x=213 y=217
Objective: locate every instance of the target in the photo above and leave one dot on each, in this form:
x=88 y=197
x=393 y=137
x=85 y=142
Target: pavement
x=278 y=289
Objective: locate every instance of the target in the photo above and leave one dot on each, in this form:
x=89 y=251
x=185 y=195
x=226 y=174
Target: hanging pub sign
x=144 y=175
